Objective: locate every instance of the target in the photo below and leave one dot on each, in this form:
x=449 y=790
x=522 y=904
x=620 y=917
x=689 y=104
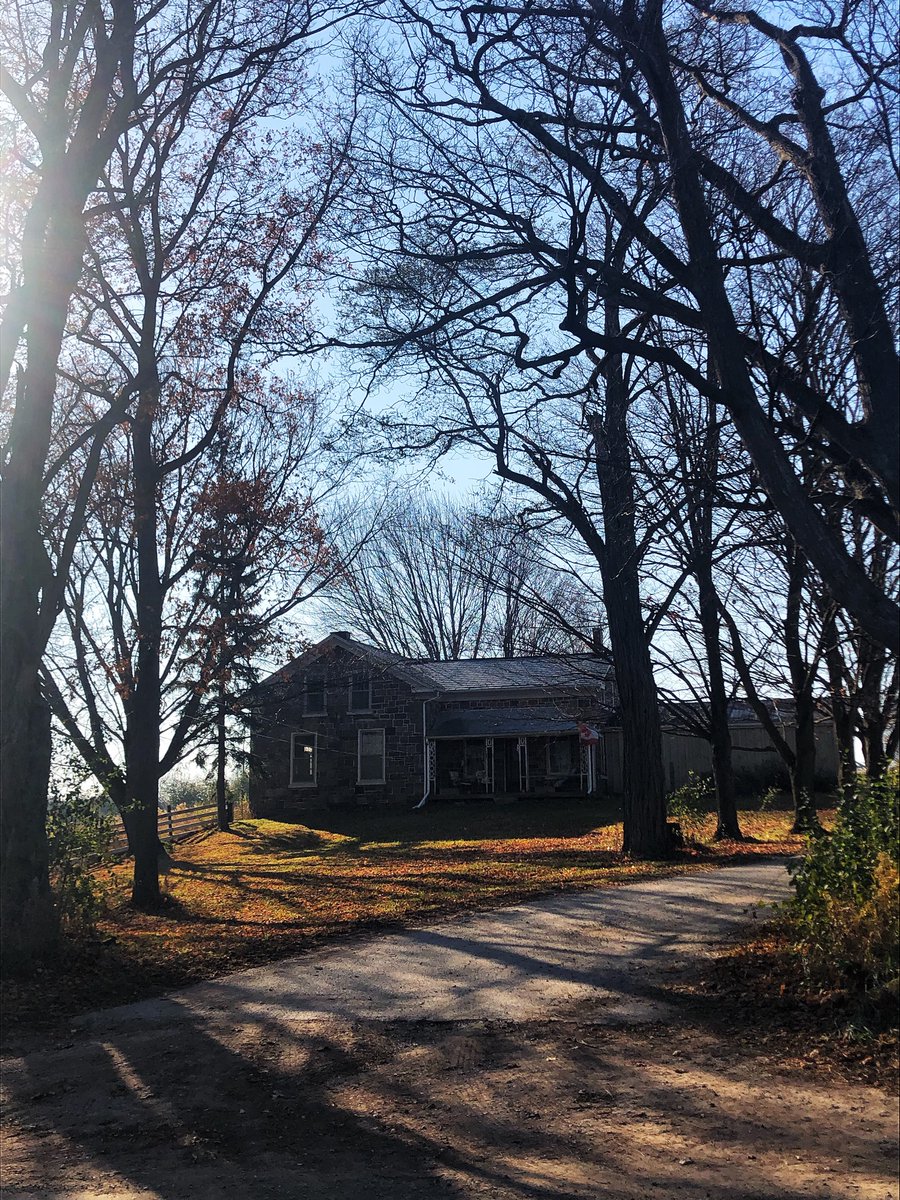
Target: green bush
x=181 y=790
x=78 y=834
x=845 y=916
x=689 y=804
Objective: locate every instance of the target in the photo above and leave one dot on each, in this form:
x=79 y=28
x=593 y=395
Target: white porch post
x=522 y=744
x=489 y=764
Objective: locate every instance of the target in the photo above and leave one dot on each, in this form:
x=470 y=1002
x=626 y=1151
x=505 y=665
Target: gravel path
x=520 y=1054
x=600 y=952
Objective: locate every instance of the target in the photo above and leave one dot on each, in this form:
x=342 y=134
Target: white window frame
x=317 y=712
x=305 y=736
x=359 y=737
x=368 y=707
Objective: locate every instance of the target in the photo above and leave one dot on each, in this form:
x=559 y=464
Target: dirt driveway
x=531 y=1052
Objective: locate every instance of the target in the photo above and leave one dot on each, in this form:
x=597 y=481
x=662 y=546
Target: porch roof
x=501 y=722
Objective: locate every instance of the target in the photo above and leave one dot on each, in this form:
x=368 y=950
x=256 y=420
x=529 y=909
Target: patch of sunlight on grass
x=272 y=888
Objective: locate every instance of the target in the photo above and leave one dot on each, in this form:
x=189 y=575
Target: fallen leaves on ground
x=758 y=987
x=268 y=889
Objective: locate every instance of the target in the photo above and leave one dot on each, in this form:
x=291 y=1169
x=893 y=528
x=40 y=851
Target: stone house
x=348 y=723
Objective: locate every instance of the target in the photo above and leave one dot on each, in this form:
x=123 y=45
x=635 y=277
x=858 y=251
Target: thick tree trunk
x=644 y=809
x=644 y=806
x=873 y=703
x=843 y=736
x=51 y=255
x=28 y=610
x=142 y=750
x=30 y=926
x=873 y=747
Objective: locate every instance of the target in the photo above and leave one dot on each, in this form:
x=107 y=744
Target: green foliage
x=78 y=834
x=184 y=791
x=767 y=800
x=689 y=804
x=845 y=916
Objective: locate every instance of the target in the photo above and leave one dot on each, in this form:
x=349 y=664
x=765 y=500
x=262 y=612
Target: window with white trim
x=304 y=759
x=360 y=692
x=314 y=695
x=371 y=756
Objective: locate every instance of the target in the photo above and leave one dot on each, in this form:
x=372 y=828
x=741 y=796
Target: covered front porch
x=475 y=754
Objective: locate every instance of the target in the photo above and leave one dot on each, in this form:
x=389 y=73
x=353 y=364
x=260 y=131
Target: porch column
x=489 y=764
x=430 y=767
x=588 y=767
x=522 y=744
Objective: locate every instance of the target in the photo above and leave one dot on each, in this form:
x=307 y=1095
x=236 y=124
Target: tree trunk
x=142 y=749
x=30 y=926
x=840 y=712
x=873 y=747
x=27 y=610
x=644 y=808
x=720 y=732
x=51 y=254
x=803 y=772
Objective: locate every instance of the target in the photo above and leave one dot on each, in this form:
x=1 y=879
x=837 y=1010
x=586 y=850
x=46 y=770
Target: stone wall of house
x=394 y=709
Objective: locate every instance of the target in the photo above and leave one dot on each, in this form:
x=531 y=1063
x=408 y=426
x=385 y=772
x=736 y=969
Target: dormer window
x=314 y=695
x=361 y=692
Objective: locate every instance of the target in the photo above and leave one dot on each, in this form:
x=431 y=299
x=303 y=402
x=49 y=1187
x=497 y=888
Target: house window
x=304 y=759
x=562 y=757
x=371 y=756
x=361 y=692
x=314 y=695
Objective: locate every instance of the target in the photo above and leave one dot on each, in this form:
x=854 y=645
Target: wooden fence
x=173 y=825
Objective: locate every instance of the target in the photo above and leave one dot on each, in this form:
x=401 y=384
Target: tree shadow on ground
x=245 y=1105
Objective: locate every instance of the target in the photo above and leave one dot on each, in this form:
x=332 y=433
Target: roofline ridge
x=501 y=658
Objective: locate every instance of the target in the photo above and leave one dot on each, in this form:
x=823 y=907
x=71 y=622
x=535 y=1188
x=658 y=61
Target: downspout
x=426 y=794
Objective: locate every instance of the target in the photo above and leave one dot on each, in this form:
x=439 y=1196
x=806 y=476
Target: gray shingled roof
x=569 y=672
x=565 y=672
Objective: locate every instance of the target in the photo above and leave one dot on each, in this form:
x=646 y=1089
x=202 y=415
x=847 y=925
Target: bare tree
x=240 y=549
x=69 y=88
x=428 y=577
x=104 y=106
x=587 y=103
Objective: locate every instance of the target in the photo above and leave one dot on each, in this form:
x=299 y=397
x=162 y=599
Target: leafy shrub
x=766 y=802
x=689 y=804
x=845 y=916
x=78 y=834
x=181 y=790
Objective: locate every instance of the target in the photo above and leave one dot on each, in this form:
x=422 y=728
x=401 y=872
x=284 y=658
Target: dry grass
x=268 y=889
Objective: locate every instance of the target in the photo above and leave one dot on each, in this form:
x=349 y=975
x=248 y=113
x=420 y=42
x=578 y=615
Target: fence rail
x=172 y=823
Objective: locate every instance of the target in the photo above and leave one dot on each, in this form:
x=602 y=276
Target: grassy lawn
x=269 y=889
